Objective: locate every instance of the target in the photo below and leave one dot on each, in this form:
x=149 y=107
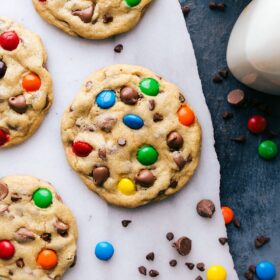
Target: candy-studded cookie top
x=92 y=19
x=38 y=232
x=131 y=136
x=25 y=85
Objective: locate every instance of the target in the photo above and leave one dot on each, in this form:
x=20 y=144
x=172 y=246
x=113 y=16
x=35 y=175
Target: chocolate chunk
x=129 y=95
x=182 y=98
x=145 y=178
x=236 y=97
x=150 y=256
x=122 y=141
x=20 y=263
x=46 y=237
x=179 y=160
x=153 y=273
x=125 y=223
x=102 y=153
x=173 y=263
x=200 y=266
x=118 y=48
x=18 y=104
x=107 y=124
x=3 y=191
x=24 y=235
x=223 y=240
x=107 y=18
x=86 y=14
x=205 y=208
x=174 y=141
x=169 y=236
x=217 y=79
x=185 y=9
x=261 y=241
x=100 y=175
x=15 y=197
x=142 y=270
x=227 y=115
x=189 y=265
x=183 y=245
x=237 y=223
x=157 y=117
x=152 y=104
x=249 y=275
x=173 y=183
x=61 y=228
x=239 y=139
x=3 y=69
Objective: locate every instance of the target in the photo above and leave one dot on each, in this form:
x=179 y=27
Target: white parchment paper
x=161 y=43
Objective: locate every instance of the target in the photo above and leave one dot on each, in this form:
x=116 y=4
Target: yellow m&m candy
x=126 y=186
x=216 y=272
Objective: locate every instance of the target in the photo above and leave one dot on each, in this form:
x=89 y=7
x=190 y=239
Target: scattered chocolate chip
x=129 y=95
x=152 y=105
x=86 y=14
x=157 y=117
x=3 y=69
x=153 y=273
x=100 y=175
x=185 y=9
x=200 y=266
x=15 y=197
x=61 y=228
x=237 y=223
x=189 y=265
x=261 y=241
x=239 y=139
x=142 y=270
x=227 y=115
x=223 y=240
x=198 y=278
x=217 y=6
x=121 y=141
x=150 y=256
x=182 y=98
x=179 y=160
x=249 y=275
x=169 y=236
x=183 y=246
x=125 y=223
x=74 y=261
x=24 y=235
x=174 y=141
x=217 y=79
x=145 y=178
x=236 y=97
x=107 y=18
x=20 y=263
x=252 y=268
x=224 y=73
x=102 y=153
x=173 y=183
x=205 y=208
x=46 y=236
x=3 y=190
x=173 y=263
x=118 y=48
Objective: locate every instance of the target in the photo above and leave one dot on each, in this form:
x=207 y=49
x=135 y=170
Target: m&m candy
x=3 y=69
x=132 y=3
x=106 y=99
x=4 y=137
x=257 y=124
x=133 y=121
x=216 y=272
x=268 y=149
x=265 y=270
x=31 y=82
x=42 y=198
x=186 y=115
x=149 y=86
x=147 y=155
x=126 y=186
x=9 y=40
x=81 y=149
x=104 y=250
x=228 y=214
x=47 y=259
x=7 y=250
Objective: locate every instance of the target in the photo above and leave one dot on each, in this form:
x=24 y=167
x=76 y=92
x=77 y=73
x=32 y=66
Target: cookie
x=38 y=232
x=26 y=86
x=131 y=136
x=92 y=19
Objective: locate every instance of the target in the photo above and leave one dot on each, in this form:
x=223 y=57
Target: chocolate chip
x=150 y=256
x=24 y=235
x=106 y=124
x=223 y=240
x=198 y=278
x=182 y=98
x=18 y=104
x=15 y=197
x=173 y=183
x=3 y=69
x=239 y=139
x=217 y=79
x=145 y=178
x=61 y=228
x=179 y=160
x=183 y=245
x=125 y=223
x=174 y=141
x=142 y=270
x=153 y=273
x=224 y=73
x=227 y=115
x=205 y=208
x=3 y=190
x=185 y=9
x=20 y=263
x=237 y=223
x=173 y=263
x=74 y=261
x=236 y=97
x=200 y=266
x=100 y=175
x=129 y=95
x=189 y=265
x=118 y=48
x=86 y=14
x=249 y=275
x=152 y=105
x=11 y=272
x=157 y=117
x=217 y=6
x=261 y=241
x=252 y=268
x=102 y=153
x=121 y=141
x=107 y=18
x=169 y=236
x=46 y=237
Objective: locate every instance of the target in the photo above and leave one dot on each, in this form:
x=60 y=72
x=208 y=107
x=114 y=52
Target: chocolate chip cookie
x=92 y=19
x=38 y=232
x=25 y=84
x=131 y=136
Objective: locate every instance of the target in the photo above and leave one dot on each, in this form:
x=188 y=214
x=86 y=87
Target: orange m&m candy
x=31 y=82
x=228 y=214
x=186 y=115
x=47 y=259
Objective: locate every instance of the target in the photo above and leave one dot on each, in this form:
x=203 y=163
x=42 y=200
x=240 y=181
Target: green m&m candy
x=132 y=3
x=149 y=86
x=147 y=155
x=42 y=198
x=268 y=149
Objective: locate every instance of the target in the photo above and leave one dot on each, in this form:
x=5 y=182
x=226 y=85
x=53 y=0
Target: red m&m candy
x=4 y=136
x=9 y=40
x=257 y=124
x=7 y=250
x=81 y=149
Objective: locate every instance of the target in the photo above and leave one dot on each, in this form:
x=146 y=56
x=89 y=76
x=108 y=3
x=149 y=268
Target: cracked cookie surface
x=131 y=136
x=92 y=19
x=38 y=232
x=25 y=84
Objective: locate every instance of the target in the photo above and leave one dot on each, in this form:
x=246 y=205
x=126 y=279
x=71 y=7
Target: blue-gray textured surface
x=249 y=185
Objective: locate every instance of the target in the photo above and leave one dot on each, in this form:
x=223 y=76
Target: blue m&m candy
x=106 y=99
x=265 y=270
x=133 y=121
x=104 y=251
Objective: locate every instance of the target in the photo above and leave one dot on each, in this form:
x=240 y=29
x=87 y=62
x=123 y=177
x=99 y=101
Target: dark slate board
x=250 y=185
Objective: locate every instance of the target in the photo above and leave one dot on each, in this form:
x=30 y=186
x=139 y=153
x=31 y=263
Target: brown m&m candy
x=3 y=69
